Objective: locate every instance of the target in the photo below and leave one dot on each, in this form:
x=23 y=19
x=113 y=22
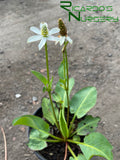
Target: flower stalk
x=66 y=77
x=49 y=89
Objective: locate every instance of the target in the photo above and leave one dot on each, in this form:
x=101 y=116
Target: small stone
x=22 y=107
x=27 y=80
x=109 y=55
x=34 y=99
x=50 y=154
x=14 y=138
x=10 y=127
x=18 y=95
x=28 y=73
x=116 y=125
x=43 y=70
x=81 y=47
x=30 y=102
x=1 y=52
x=9 y=66
x=22 y=129
x=26 y=155
x=1 y=104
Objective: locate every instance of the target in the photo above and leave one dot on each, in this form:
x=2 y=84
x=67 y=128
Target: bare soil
x=94 y=59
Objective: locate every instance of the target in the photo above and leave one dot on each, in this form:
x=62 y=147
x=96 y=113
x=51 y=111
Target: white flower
x=63 y=38
x=43 y=34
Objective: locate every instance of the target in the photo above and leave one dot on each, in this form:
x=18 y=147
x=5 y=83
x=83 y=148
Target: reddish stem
x=66 y=151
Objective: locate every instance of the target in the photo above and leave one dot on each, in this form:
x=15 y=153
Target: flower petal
x=52 y=38
x=54 y=30
x=34 y=38
x=69 y=39
x=43 y=23
x=62 y=40
x=35 y=30
x=42 y=43
x=56 y=42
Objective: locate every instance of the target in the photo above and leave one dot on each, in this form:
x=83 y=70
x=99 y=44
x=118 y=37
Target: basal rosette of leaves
x=59 y=105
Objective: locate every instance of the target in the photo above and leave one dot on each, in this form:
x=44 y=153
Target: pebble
x=42 y=70
x=109 y=55
x=10 y=127
x=50 y=154
x=1 y=104
x=22 y=129
x=116 y=125
x=34 y=99
x=81 y=47
x=9 y=66
x=18 y=95
x=27 y=80
x=14 y=138
x=1 y=52
x=30 y=102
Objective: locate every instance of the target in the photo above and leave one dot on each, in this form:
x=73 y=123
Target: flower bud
x=44 y=30
x=63 y=29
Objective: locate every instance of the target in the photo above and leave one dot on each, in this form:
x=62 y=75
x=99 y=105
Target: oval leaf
x=32 y=121
x=60 y=95
x=63 y=125
x=87 y=125
x=95 y=144
x=83 y=101
x=36 y=141
x=47 y=110
x=61 y=70
x=79 y=157
x=40 y=77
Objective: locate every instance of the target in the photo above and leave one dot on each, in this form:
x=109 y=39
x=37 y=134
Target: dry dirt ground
x=94 y=59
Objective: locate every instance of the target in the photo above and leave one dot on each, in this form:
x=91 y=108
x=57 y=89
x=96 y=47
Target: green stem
x=73 y=154
x=51 y=135
x=73 y=133
x=65 y=61
x=67 y=89
x=47 y=65
x=57 y=124
x=60 y=139
x=71 y=123
x=75 y=142
x=64 y=68
x=49 y=89
x=52 y=141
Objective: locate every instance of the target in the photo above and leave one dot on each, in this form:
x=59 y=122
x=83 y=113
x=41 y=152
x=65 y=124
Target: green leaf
x=95 y=144
x=57 y=98
x=79 y=157
x=36 y=141
x=50 y=83
x=87 y=125
x=32 y=121
x=47 y=110
x=61 y=93
x=76 y=138
x=40 y=77
x=62 y=81
x=63 y=125
x=44 y=89
x=61 y=70
x=83 y=101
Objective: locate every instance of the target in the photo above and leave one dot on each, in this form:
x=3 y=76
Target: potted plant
x=63 y=121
